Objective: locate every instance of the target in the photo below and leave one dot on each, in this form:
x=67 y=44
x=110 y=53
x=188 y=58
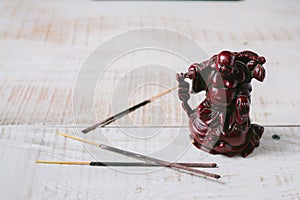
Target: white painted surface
x=272 y=172
x=42 y=48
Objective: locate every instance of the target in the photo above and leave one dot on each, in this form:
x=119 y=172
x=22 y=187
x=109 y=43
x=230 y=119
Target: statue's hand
x=259 y=73
x=242 y=108
x=183 y=88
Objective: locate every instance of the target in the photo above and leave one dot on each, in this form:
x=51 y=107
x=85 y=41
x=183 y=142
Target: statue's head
x=225 y=63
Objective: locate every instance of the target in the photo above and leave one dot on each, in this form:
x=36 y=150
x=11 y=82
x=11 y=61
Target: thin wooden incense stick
x=148 y=159
x=126 y=112
x=123 y=164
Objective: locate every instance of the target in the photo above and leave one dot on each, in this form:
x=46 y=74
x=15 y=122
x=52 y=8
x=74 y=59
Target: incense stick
x=126 y=112
x=123 y=164
x=145 y=158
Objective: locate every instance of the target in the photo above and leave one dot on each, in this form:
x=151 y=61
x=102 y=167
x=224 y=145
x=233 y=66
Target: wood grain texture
x=272 y=172
x=43 y=46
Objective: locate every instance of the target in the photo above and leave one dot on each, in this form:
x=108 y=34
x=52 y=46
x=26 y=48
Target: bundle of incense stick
x=126 y=112
x=147 y=159
x=123 y=164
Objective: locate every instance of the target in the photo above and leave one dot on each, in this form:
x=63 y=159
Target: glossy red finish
x=221 y=123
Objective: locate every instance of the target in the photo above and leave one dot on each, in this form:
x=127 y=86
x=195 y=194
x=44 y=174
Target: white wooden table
x=43 y=48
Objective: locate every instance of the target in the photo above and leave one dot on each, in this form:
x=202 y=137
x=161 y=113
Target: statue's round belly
x=221 y=96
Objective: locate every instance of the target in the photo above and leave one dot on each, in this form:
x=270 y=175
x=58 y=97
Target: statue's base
x=242 y=143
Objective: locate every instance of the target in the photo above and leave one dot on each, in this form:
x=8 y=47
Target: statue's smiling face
x=225 y=63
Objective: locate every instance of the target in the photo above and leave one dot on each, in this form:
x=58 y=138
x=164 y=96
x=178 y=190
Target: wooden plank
x=271 y=172
x=43 y=46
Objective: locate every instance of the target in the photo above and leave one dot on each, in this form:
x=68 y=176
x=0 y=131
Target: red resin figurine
x=221 y=124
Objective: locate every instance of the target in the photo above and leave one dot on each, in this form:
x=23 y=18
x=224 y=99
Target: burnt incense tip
x=88 y=129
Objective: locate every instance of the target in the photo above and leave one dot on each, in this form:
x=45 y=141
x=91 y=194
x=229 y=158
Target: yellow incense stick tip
x=63 y=162
x=76 y=138
x=66 y=135
x=162 y=93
